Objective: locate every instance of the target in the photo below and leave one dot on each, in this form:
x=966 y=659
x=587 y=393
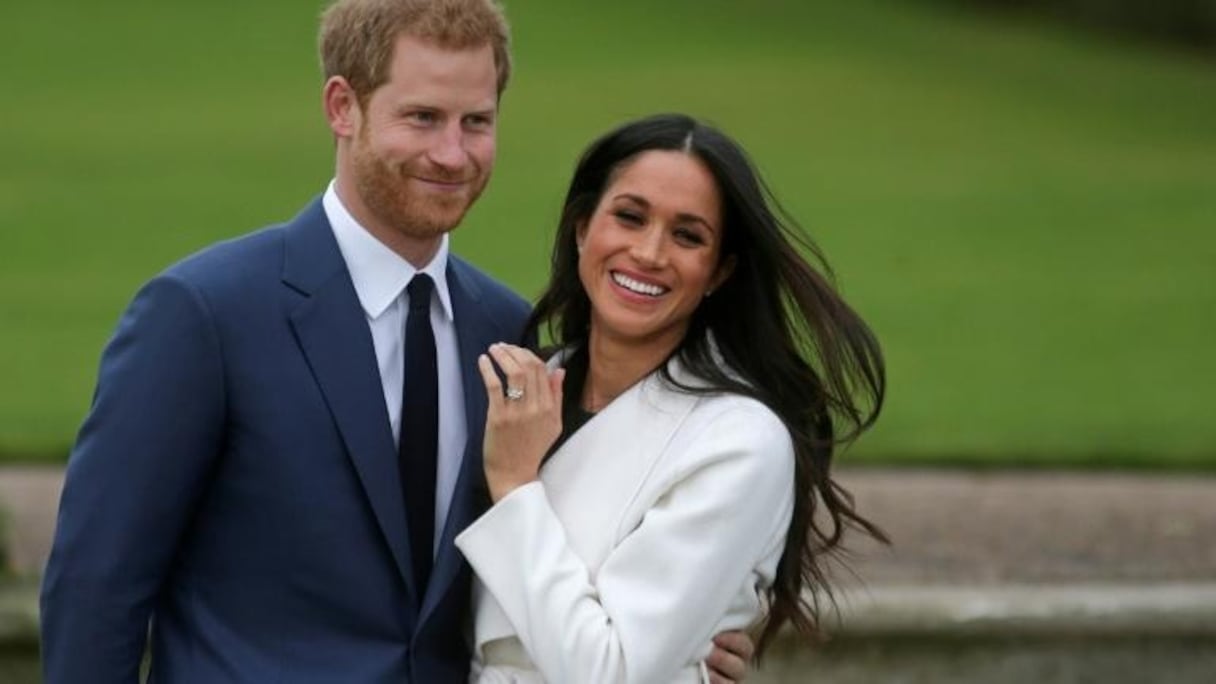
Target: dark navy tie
x=419 y=441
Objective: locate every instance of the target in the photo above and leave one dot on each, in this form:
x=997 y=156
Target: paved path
x=952 y=528
x=29 y=499
x=949 y=528
x=994 y=577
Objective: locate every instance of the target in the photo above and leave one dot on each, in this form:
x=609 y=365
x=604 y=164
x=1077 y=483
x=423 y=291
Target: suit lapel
x=474 y=334
x=332 y=332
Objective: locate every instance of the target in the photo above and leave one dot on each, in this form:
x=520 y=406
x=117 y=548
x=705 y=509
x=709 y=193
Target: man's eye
x=421 y=117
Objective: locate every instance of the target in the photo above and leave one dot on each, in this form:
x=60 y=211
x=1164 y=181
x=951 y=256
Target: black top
x=574 y=416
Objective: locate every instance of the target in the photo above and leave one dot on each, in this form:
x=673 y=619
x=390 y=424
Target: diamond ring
x=515 y=393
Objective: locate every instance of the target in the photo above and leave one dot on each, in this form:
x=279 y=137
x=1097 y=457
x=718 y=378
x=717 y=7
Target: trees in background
x=1185 y=22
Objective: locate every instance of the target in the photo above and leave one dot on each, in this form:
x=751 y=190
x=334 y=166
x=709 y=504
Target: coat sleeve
x=139 y=464
x=653 y=605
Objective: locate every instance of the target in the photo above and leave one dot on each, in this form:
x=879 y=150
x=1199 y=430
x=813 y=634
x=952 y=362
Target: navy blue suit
x=236 y=483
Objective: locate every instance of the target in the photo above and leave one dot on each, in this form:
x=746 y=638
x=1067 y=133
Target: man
x=269 y=476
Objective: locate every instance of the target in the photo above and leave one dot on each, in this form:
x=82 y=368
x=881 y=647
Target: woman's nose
x=649 y=249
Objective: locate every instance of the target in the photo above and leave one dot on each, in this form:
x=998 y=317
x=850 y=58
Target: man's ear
x=342 y=110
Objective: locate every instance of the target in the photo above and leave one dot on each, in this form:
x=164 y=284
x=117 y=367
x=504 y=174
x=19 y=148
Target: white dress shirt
x=380 y=276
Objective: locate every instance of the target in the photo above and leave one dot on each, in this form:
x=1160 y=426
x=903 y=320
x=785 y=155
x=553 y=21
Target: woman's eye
x=689 y=237
x=629 y=217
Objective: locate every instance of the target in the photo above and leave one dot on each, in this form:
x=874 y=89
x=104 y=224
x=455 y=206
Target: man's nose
x=447 y=149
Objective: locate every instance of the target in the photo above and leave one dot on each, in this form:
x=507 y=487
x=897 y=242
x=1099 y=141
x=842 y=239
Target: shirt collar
x=378 y=273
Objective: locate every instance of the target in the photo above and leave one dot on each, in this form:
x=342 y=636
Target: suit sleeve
x=652 y=607
x=140 y=462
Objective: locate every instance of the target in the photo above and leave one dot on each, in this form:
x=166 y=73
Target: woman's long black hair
x=788 y=339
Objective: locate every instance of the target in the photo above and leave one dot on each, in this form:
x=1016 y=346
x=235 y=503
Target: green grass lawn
x=1026 y=214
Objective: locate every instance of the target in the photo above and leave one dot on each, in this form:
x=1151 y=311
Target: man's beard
x=393 y=198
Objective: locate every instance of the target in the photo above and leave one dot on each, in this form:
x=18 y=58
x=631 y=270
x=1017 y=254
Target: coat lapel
x=332 y=332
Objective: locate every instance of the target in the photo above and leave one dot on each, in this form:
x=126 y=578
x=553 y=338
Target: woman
x=704 y=375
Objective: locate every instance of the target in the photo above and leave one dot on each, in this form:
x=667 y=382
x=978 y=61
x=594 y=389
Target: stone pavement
x=1046 y=576
x=29 y=498
x=948 y=527
x=984 y=528
x=1028 y=550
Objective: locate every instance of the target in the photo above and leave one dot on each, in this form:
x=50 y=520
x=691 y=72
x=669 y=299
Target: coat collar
x=378 y=273
x=331 y=329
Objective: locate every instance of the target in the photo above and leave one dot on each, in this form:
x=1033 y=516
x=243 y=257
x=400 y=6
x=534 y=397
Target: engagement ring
x=515 y=393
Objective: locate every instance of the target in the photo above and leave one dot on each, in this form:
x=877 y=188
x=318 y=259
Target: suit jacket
x=236 y=483
x=652 y=528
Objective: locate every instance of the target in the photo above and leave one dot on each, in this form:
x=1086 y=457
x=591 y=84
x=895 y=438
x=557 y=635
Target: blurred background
x=1021 y=202
x=1019 y=196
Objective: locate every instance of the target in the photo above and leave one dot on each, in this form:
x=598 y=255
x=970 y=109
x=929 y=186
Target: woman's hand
x=523 y=420
x=729 y=658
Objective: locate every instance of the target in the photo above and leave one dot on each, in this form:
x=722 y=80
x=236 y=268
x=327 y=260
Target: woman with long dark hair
x=702 y=373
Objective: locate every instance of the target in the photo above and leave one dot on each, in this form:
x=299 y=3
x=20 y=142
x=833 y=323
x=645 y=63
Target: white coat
x=654 y=527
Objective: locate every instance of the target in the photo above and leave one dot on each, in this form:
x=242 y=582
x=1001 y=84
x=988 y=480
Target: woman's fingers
x=556 y=380
x=533 y=376
x=729 y=658
x=490 y=378
x=517 y=374
x=522 y=421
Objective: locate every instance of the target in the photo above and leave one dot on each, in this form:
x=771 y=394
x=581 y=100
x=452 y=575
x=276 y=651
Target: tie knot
x=419 y=289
